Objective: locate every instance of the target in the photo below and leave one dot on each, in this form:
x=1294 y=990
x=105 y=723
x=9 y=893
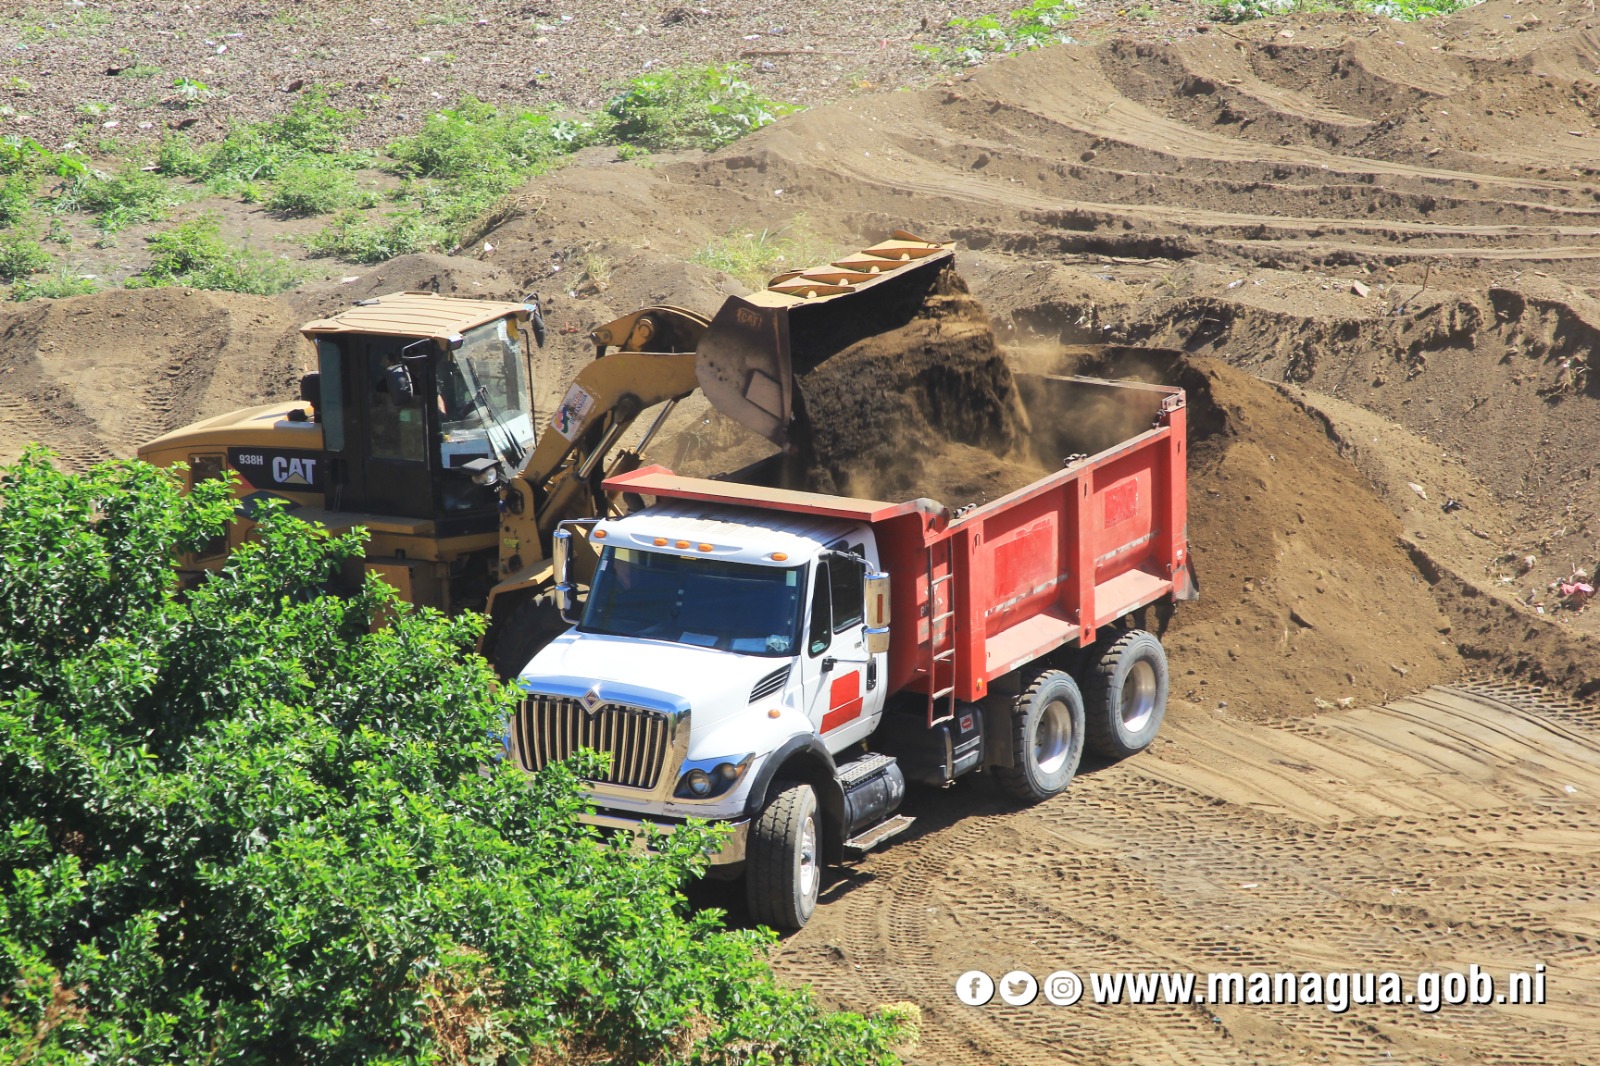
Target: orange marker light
x=705 y=547
x=599 y=534
x=682 y=544
x=660 y=542
x=779 y=557
x=774 y=713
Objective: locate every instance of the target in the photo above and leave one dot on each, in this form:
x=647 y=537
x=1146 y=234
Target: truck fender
x=804 y=758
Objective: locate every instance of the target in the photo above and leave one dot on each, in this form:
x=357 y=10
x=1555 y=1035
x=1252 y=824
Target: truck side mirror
x=561 y=565
x=877 y=591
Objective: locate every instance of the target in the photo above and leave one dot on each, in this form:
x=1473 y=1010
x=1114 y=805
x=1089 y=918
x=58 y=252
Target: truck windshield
x=707 y=603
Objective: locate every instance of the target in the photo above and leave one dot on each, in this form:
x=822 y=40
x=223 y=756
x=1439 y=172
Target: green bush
x=194 y=254
x=16 y=198
x=985 y=36
x=315 y=188
x=118 y=200
x=51 y=286
x=349 y=235
x=481 y=144
x=20 y=256
x=24 y=155
x=257 y=151
x=244 y=825
x=691 y=107
x=754 y=256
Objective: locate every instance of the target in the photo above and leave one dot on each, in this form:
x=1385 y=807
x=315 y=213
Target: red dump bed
x=979 y=594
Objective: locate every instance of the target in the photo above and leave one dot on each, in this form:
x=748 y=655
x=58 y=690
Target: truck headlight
x=705 y=779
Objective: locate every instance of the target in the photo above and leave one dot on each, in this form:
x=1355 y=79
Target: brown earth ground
x=1370 y=251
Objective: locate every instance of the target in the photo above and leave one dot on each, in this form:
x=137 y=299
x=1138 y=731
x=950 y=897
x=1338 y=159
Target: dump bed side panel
x=1047 y=565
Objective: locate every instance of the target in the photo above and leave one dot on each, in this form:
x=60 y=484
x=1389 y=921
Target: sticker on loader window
x=573 y=410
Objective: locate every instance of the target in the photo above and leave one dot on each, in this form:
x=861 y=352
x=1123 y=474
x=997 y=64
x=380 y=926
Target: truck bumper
x=732 y=852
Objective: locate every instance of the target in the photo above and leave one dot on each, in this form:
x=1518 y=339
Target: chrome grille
x=639 y=741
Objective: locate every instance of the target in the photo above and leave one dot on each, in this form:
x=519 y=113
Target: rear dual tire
x=1125 y=694
x=1046 y=738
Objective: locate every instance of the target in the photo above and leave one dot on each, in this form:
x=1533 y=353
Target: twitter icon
x=1018 y=988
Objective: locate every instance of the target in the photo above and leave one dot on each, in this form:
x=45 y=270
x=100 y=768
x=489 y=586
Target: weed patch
x=16 y=198
x=692 y=107
x=976 y=40
x=352 y=237
x=194 y=254
x=1233 y=11
x=52 y=286
x=118 y=200
x=317 y=188
x=258 y=151
x=754 y=256
x=21 y=256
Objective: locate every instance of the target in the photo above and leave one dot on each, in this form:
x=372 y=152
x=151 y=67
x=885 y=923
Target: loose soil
x=1372 y=247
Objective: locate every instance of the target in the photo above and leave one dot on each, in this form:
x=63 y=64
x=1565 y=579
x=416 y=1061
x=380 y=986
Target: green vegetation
x=118 y=200
x=16 y=198
x=245 y=825
x=354 y=237
x=977 y=40
x=753 y=257
x=194 y=254
x=691 y=107
x=257 y=151
x=317 y=187
x=21 y=256
x=1404 y=10
x=51 y=286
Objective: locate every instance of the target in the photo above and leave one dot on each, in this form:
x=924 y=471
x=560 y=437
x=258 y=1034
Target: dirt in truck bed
x=1375 y=246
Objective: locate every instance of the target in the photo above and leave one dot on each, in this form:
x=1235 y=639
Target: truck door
x=844 y=686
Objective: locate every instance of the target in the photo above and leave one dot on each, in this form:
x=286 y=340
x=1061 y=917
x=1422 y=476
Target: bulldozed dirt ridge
x=1371 y=252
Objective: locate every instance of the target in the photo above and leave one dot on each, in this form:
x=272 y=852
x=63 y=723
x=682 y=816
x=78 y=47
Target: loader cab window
x=395 y=421
x=330 y=367
x=484 y=402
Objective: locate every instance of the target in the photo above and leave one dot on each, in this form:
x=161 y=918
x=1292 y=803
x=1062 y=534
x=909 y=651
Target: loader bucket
x=756 y=345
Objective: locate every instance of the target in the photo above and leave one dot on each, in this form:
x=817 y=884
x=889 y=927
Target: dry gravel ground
x=399 y=61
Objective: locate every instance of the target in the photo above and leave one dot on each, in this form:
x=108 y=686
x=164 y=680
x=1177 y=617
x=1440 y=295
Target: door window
x=396 y=426
x=821 y=630
x=848 y=593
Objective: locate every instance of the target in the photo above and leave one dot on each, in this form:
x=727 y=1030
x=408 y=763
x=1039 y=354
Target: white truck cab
x=710 y=649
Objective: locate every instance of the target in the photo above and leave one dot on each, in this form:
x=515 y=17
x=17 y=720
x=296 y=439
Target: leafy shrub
x=479 y=143
x=243 y=825
x=259 y=150
x=24 y=155
x=51 y=286
x=118 y=200
x=194 y=254
x=16 y=198
x=349 y=235
x=985 y=36
x=690 y=107
x=20 y=256
x=315 y=188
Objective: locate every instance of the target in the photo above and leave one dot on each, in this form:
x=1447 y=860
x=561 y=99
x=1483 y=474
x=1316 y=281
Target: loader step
x=865 y=842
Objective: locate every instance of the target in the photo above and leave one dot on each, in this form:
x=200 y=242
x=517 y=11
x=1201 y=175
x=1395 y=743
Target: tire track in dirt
x=1397 y=852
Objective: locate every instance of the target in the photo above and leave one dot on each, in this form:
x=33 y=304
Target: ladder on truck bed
x=944 y=655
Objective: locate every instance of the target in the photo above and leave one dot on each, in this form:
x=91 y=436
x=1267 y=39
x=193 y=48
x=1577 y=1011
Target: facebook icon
x=974 y=988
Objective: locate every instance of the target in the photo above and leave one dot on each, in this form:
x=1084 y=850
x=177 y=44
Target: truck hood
x=660 y=674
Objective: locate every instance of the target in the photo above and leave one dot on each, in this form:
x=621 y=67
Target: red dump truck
x=785 y=661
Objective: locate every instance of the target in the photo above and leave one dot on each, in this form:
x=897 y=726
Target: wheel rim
x=810 y=872
x=1052 y=740
x=1138 y=696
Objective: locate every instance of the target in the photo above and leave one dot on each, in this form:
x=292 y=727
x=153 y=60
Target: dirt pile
x=96 y=376
x=929 y=408
x=1307 y=596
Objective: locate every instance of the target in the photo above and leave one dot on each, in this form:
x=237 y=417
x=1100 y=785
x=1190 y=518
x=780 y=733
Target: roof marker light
x=599 y=534
x=660 y=542
x=705 y=547
x=779 y=557
x=682 y=544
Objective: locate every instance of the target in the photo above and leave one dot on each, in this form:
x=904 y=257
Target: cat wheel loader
x=418 y=425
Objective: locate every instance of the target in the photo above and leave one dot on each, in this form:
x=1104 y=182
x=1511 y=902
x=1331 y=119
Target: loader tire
x=529 y=628
x=783 y=861
x=1046 y=738
x=1125 y=690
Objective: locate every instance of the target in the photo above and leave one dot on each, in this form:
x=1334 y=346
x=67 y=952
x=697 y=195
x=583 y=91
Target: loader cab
x=404 y=417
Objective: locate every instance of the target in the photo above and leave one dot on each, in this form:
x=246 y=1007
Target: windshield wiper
x=509 y=451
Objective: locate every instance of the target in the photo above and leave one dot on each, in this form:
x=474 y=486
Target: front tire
x=1046 y=738
x=1126 y=690
x=783 y=863
x=534 y=623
